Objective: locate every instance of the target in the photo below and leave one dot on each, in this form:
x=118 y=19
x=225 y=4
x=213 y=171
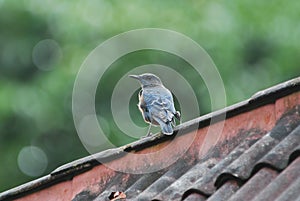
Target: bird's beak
x=135 y=76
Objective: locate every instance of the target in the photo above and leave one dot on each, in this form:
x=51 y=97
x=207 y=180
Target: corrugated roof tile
x=291 y=193
x=225 y=192
x=175 y=190
x=278 y=157
x=142 y=183
x=195 y=197
x=207 y=182
x=249 y=158
x=175 y=171
x=281 y=183
x=261 y=148
x=254 y=185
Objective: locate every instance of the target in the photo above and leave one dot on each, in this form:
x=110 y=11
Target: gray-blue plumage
x=156 y=103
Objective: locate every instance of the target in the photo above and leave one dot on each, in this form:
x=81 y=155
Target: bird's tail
x=167 y=128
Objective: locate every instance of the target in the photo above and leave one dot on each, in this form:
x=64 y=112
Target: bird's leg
x=148 y=133
x=178 y=116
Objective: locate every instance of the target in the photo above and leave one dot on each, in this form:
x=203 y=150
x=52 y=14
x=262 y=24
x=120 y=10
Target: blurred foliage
x=254 y=44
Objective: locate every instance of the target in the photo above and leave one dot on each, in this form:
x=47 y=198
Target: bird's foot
x=148 y=135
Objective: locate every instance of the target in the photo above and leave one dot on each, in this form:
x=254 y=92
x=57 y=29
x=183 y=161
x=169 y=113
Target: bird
x=156 y=103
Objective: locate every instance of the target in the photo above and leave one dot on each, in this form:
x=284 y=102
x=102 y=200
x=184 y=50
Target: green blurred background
x=255 y=44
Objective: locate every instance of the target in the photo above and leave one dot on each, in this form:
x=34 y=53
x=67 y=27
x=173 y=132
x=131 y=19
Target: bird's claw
x=149 y=134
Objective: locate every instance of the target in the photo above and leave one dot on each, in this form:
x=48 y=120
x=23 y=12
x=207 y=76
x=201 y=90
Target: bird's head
x=147 y=79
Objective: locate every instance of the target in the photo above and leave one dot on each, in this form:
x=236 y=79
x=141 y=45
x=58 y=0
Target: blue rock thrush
x=156 y=103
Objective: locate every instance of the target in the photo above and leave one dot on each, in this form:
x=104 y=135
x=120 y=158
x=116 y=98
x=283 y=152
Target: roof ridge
x=202 y=121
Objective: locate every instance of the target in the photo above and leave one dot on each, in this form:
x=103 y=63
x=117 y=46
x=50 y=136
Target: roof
x=256 y=157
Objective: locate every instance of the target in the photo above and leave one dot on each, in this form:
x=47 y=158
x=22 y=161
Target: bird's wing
x=162 y=111
x=159 y=101
x=143 y=107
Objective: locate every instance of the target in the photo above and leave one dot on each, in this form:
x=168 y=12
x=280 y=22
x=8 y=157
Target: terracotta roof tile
x=225 y=191
x=220 y=176
x=279 y=156
x=195 y=197
x=281 y=183
x=291 y=193
x=175 y=190
x=255 y=158
x=229 y=172
x=142 y=183
x=253 y=186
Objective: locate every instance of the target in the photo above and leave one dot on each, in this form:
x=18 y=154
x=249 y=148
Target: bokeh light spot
x=32 y=161
x=46 y=54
